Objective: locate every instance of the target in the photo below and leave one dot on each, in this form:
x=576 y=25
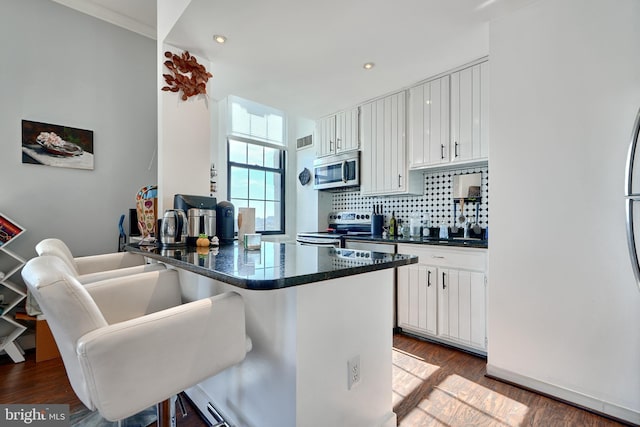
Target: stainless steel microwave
x=337 y=171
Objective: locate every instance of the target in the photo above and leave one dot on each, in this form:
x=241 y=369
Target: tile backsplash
x=437 y=200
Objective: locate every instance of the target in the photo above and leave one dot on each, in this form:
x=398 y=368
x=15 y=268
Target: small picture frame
x=9 y=230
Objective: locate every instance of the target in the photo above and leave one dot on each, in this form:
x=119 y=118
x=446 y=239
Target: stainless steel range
x=341 y=224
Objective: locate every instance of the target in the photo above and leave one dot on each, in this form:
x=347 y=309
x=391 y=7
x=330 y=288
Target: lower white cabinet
x=417 y=298
x=443 y=297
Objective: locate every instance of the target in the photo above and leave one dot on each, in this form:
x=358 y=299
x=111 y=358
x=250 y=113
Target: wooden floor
x=432 y=386
x=437 y=386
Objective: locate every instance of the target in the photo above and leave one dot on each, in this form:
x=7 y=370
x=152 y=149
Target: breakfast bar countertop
x=274 y=265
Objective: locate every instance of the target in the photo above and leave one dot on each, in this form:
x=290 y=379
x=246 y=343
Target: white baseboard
x=570 y=396
x=390 y=421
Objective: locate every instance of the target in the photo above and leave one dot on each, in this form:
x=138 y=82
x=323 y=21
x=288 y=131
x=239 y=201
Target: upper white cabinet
x=347 y=130
x=337 y=133
x=325 y=136
x=469 y=113
x=384 y=167
x=429 y=123
x=448 y=118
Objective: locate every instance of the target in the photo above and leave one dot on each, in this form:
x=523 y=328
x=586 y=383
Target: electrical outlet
x=353 y=371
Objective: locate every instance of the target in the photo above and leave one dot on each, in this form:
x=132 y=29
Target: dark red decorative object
x=179 y=79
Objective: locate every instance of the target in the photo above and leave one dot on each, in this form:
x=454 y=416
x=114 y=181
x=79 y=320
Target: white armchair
x=126 y=347
x=93 y=268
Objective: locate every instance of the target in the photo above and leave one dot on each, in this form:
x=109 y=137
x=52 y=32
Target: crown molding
x=110 y=16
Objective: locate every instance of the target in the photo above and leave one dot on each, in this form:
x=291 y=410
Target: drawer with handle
x=464 y=258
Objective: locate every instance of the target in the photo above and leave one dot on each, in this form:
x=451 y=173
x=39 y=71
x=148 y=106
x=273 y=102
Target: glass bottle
x=392 y=225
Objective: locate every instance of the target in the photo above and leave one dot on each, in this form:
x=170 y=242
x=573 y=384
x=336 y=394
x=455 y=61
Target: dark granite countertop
x=275 y=265
x=454 y=241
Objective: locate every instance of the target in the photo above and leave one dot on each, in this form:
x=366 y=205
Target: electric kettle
x=173 y=228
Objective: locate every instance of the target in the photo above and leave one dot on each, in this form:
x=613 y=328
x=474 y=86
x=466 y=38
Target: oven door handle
x=323 y=244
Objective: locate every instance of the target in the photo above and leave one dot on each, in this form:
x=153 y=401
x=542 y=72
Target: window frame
x=281 y=170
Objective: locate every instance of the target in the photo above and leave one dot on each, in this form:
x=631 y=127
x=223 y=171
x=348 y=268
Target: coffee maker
x=201 y=213
x=186 y=202
x=201 y=221
x=225 y=222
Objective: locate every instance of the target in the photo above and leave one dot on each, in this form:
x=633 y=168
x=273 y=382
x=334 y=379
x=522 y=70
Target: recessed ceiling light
x=368 y=65
x=219 y=39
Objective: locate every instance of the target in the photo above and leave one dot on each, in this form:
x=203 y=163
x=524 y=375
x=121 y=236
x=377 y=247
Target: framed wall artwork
x=56 y=145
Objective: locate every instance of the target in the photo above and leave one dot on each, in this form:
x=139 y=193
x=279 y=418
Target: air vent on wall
x=304 y=142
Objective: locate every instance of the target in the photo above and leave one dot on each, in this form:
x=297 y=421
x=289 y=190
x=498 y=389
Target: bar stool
x=92 y=268
x=124 y=351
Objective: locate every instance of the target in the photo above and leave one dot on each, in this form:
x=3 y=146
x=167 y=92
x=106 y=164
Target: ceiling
x=306 y=56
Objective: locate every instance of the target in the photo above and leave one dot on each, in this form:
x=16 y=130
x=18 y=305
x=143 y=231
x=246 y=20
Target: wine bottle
x=392 y=225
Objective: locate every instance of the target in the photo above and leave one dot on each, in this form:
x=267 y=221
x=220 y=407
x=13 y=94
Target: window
x=256 y=180
x=256 y=163
x=255 y=121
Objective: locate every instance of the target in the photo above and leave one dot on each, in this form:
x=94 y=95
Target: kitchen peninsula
x=311 y=313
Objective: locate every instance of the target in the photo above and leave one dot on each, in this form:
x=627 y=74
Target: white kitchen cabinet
x=417 y=298
x=347 y=130
x=325 y=136
x=383 y=167
x=429 y=123
x=443 y=297
x=448 y=119
x=469 y=113
x=461 y=306
x=337 y=133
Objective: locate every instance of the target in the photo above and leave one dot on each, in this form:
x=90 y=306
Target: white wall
x=312 y=206
x=184 y=127
x=563 y=306
x=63 y=67
x=184 y=150
x=167 y=13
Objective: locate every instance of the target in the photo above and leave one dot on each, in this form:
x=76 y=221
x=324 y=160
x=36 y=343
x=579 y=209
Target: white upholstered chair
x=92 y=268
x=126 y=347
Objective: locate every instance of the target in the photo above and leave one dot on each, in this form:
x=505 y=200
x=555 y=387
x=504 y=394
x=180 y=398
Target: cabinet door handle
x=444 y=282
x=428 y=278
x=338 y=145
x=456 y=149
x=441 y=151
x=399 y=177
x=330 y=145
